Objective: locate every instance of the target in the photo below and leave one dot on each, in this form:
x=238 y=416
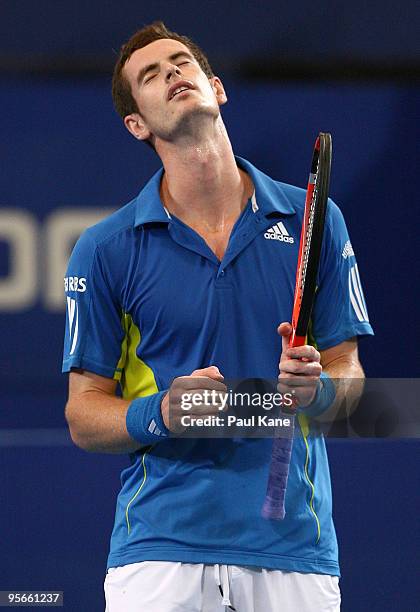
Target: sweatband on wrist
x=324 y=397
x=144 y=419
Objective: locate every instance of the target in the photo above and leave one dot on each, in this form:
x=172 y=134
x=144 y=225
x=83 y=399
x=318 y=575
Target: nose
x=171 y=71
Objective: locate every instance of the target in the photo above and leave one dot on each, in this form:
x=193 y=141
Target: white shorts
x=169 y=586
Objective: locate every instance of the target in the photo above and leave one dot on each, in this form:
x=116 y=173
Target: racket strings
x=308 y=237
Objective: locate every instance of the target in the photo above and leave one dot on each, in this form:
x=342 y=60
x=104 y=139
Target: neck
x=202 y=184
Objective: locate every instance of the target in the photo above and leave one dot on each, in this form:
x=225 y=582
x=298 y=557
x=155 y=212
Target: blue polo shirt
x=147 y=300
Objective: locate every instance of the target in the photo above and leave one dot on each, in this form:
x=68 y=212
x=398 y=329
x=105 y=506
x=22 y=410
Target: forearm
x=101 y=422
x=97 y=423
x=348 y=378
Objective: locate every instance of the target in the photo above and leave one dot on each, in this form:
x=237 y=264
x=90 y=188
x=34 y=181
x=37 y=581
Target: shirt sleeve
x=340 y=310
x=94 y=332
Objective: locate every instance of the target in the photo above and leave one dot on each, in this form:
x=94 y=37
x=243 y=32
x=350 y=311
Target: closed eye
x=149 y=78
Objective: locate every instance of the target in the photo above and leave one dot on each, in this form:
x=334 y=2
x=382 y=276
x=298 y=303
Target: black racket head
x=321 y=170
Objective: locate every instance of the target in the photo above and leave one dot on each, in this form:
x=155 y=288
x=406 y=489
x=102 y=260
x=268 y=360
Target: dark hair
x=124 y=102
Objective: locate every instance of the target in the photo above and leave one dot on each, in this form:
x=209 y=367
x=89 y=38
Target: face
x=171 y=91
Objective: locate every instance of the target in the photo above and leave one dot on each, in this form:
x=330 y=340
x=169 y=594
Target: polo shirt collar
x=270 y=196
x=149 y=206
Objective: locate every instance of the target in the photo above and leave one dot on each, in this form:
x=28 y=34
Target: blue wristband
x=324 y=397
x=144 y=420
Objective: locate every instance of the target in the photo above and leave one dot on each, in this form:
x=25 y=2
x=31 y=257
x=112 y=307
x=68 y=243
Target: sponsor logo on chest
x=280 y=233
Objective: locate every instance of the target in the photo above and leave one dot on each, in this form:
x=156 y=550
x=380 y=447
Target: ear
x=136 y=126
x=218 y=90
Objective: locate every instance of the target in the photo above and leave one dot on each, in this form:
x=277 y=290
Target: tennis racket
x=306 y=275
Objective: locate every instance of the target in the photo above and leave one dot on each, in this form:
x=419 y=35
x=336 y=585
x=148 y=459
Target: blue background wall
x=63 y=147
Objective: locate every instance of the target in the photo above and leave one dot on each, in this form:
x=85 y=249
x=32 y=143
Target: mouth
x=178 y=88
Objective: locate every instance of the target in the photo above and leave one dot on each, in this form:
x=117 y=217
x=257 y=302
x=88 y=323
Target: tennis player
x=179 y=290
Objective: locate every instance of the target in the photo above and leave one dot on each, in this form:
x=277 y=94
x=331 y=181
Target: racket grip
x=274 y=503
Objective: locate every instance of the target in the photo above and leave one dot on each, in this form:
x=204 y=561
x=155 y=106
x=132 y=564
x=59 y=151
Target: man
x=180 y=290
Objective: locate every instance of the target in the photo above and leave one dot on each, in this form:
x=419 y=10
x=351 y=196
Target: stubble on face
x=186 y=116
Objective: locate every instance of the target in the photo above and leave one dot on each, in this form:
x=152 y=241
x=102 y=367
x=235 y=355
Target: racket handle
x=274 y=503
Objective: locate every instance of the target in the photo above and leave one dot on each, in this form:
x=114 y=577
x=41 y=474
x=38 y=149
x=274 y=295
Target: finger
x=303 y=368
x=298 y=383
x=212 y=372
x=198 y=383
x=205 y=411
x=206 y=397
x=284 y=329
x=284 y=387
x=292 y=380
x=303 y=352
x=187 y=398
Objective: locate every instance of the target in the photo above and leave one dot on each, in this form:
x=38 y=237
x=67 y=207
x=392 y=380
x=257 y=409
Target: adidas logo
x=154 y=429
x=279 y=232
x=348 y=250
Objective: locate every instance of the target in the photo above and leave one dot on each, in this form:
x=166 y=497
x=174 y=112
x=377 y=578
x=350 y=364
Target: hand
x=206 y=379
x=300 y=369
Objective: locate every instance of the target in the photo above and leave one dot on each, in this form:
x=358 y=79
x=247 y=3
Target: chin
x=187 y=121
x=197 y=113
